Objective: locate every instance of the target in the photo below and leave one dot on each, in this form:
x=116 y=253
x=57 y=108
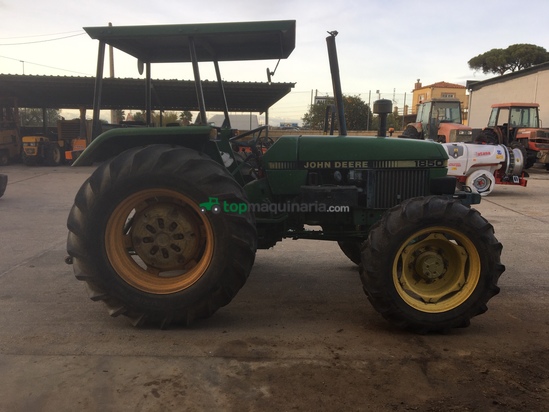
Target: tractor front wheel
x=54 y=157
x=139 y=240
x=29 y=160
x=431 y=264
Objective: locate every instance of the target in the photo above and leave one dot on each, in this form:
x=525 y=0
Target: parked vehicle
x=56 y=148
x=139 y=239
x=517 y=125
x=439 y=120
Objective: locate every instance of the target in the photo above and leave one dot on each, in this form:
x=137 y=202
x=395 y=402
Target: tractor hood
x=352 y=152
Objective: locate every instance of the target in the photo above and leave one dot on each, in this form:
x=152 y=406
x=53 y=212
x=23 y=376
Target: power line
x=41 y=41
x=40 y=35
x=43 y=65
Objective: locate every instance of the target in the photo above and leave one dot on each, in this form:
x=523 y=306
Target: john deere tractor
x=140 y=239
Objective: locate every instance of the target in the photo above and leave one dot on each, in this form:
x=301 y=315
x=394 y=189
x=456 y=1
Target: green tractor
x=140 y=239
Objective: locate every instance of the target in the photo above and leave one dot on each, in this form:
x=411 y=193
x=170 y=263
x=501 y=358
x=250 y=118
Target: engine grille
x=388 y=187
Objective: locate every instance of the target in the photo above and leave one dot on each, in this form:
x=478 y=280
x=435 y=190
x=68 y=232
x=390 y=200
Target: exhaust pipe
x=336 y=82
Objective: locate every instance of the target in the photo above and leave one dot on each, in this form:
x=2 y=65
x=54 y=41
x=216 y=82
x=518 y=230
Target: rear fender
x=115 y=141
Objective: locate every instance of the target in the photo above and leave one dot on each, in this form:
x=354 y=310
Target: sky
x=383 y=46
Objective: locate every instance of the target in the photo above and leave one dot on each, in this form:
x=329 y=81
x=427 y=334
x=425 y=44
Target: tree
x=356 y=114
x=314 y=118
x=513 y=58
x=167 y=117
x=120 y=115
x=139 y=117
x=186 y=117
x=34 y=117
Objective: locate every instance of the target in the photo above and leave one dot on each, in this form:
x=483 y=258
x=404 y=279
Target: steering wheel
x=256 y=133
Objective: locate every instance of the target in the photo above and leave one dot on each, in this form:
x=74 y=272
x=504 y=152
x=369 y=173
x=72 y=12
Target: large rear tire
x=487 y=136
x=431 y=264
x=139 y=240
x=351 y=249
x=410 y=132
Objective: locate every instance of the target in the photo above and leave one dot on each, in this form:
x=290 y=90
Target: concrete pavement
x=300 y=335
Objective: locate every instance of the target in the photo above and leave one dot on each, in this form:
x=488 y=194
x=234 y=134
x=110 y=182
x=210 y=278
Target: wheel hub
x=481 y=183
x=165 y=236
x=434 y=269
x=430 y=265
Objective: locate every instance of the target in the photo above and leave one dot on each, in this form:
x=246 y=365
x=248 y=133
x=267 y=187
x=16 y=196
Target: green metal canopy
x=63 y=92
x=258 y=40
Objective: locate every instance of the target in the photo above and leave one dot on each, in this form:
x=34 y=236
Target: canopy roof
x=75 y=92
x=258 y=40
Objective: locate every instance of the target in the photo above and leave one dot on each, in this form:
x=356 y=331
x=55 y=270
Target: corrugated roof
x=64 y=92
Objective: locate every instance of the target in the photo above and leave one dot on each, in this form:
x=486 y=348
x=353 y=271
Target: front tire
x=431 y=264
x=139 y=240
x=53 y=155
x=29 y=160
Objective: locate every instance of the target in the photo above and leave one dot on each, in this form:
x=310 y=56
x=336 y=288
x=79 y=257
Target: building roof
x=64 y=92
x=444 y=85
x=475 y=85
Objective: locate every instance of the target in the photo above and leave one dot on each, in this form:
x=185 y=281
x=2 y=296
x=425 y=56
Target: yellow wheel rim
x=436 y=269
x=158 y=241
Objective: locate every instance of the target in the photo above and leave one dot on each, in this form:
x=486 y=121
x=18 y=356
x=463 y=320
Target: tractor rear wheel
x=351 y=250
x=487 y=136
x=139 y=240
x=431 y=264
x=410 y=132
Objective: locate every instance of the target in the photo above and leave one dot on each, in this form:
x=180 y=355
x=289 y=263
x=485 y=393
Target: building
x=238 y=121
x=529 y=85
x=440 y=90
